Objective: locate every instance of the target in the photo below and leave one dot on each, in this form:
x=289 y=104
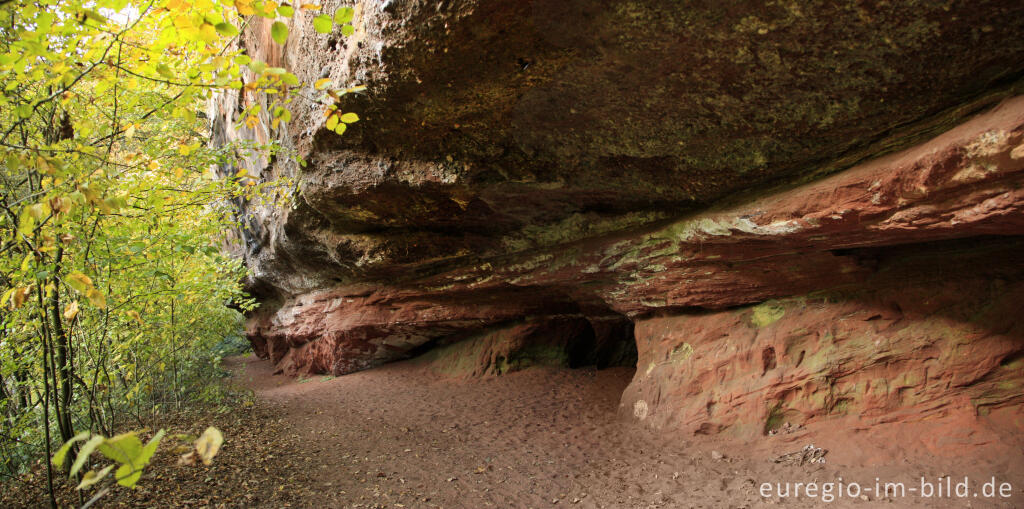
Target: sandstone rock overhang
x=967 y=183
x=493 y=127
x=578 y=167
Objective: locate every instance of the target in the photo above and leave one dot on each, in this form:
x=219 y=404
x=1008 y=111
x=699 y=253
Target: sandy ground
x=397 y=436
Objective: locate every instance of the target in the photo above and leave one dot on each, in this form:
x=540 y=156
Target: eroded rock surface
x=931 y=335
x=743 y=183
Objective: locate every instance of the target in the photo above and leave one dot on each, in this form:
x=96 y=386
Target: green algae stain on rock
x=776 y=418
x=680 y=353
x=766 y=313
x=535 y=355
x=458 y=360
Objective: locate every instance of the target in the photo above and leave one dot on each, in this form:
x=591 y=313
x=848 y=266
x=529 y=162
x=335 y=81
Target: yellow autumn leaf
x=181 y=449
x=43 y=165
x=71 y=311
x=96 y=298
x=208 y=33
x=20 y=295
x=92 y=477
x=80 y=282
x=135 y=315
x=38 y=211
x=209 y=444
x=61 y=204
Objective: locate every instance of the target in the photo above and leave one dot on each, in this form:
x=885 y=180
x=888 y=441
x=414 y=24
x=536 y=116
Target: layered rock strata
x=777 y=212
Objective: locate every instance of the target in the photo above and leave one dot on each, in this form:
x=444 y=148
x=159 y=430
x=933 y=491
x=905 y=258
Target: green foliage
x=113 y=211
x=343 y=15
x=279 y=31
x=322 y=24
x=129 y=455
x=233 y=344
x=338 y=121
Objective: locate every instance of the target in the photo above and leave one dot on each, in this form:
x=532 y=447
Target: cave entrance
x=607 y=341
x=599 y=340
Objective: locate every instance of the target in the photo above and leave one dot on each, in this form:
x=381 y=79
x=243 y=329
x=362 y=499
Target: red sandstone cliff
x=804 y=214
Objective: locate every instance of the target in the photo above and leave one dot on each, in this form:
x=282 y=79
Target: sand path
x=397 y=436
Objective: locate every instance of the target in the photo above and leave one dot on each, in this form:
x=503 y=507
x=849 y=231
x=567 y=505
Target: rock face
x=778 y=212
x=930 y=336
x=348 y=329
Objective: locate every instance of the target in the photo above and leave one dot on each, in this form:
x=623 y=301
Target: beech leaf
x=279 y=32
x=343 y=15
x=58 y=457
x=71 y=311
x=323 y=24
x=121 y=448
x=96 y=298
x=129 y=473
x=85 y=452
x=208 y=444
x=92 y=477
x=78 y=281
x=226 y=29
